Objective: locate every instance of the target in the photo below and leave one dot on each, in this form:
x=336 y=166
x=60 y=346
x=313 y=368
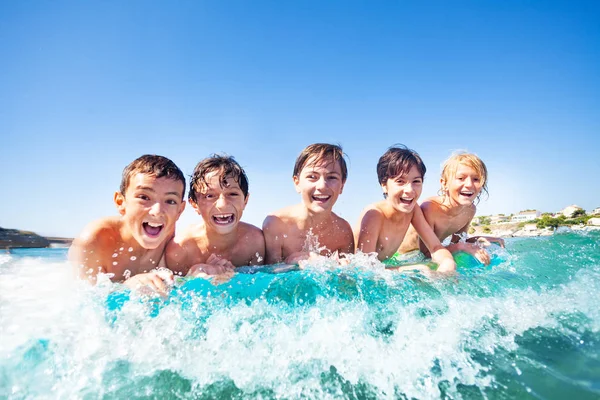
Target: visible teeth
x=154 y=225
x=223 y=215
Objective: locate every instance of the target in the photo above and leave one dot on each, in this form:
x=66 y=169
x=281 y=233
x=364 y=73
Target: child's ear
x=119 y=200
x=182 y=207
x=194 y=206
x=443 y=183
x=246 y=200
x=296 y=182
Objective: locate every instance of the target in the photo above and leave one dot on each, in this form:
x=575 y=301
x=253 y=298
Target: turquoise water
x=526 y=327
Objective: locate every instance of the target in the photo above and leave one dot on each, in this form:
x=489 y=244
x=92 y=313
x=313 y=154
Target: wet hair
x=319 y=152
x=469 y=159
x=398 y=160
x=225 y=166
x=152 y=165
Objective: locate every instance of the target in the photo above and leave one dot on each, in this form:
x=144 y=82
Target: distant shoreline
x=15 y=239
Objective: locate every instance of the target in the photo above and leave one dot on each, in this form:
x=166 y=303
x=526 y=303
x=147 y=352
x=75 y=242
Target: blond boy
x=383 y=225
x=464 y=178
x=220 y=241
x=292 y=233
x=130 y=247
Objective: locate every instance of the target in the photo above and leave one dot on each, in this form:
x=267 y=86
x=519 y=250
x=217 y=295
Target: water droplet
x=115 y=263
x=115 y=255
x=121 y=249
x=284 y=236
x=130 y=249
x=133 y=258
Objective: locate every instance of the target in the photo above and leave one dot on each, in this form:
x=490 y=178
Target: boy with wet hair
x=220 y=242
x=130 y=247
x=291 y=234
x=383 y=225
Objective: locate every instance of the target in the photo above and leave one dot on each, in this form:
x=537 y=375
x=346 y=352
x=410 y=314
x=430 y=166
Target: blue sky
x=86 y=87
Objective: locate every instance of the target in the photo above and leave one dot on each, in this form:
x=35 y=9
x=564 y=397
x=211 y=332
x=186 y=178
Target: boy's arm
x=346 y=239
x=258 y=249
x=273 y=241
x=368 y=231
x=176 y=257
x=490 y=239
x=439 y=254
x=428 y=211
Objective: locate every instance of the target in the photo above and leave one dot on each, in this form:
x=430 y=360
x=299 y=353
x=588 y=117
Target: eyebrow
x=150 y=189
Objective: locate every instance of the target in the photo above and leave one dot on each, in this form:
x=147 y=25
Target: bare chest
x=391 y=237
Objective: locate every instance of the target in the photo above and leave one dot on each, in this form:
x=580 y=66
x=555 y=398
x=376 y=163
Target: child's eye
x=208 y=196
x=172 y=202
x=143 y=197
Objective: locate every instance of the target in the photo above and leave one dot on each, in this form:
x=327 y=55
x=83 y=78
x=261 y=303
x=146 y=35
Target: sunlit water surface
x=526 y=327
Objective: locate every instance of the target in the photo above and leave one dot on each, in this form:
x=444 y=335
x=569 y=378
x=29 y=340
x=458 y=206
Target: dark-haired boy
x=383 y=225
x=319 y=176
x=131 y=246
x=220 y=242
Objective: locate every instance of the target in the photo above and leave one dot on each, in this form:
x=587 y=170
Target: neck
x=221 y=240
x=309 y=219
x=452 y=207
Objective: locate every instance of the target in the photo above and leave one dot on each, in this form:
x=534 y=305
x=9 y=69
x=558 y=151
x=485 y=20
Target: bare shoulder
x=251 y=232
x=432 y=205
x=342 y=224
x=372 y=213
x=101 y=233
x=280 y=219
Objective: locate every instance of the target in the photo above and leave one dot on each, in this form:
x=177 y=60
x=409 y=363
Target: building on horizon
x=498 y=219
x=569 y=210
x=594 y=211
x=528 y=215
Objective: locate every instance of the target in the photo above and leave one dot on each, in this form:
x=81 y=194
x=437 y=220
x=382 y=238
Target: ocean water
x=527 y=327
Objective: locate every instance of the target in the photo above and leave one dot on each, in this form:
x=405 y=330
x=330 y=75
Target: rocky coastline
x=14 y=238
x=508 y=230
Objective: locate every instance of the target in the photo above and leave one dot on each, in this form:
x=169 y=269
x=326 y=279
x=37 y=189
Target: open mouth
x=467 y=194
x=223 y=219
x=320 y=198
x=152 y=229
x=406 y=201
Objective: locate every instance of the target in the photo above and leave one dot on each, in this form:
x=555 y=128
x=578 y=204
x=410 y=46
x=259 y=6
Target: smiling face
x=220 y=202
x=150 y=207
x=320 y=183
x=404 y=190
x=464 y=186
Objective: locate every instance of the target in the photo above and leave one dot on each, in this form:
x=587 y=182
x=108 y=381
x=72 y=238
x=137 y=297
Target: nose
x=408 y=188
x=156 y=208
x=468 y=181
x=321 y=183
x=221 y=201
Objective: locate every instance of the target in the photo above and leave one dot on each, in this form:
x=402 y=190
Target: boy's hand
x=158 y=280
x=479 y=253
x=486 y=241
x=298 y=256
x=215 y=265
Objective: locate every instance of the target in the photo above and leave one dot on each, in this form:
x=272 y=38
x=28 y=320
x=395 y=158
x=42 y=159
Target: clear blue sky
x=88 y=86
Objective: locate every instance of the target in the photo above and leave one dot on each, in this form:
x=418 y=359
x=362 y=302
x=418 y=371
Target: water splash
x=527 y=327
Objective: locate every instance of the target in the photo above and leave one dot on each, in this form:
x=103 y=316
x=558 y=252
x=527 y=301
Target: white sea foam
x=405 y=347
